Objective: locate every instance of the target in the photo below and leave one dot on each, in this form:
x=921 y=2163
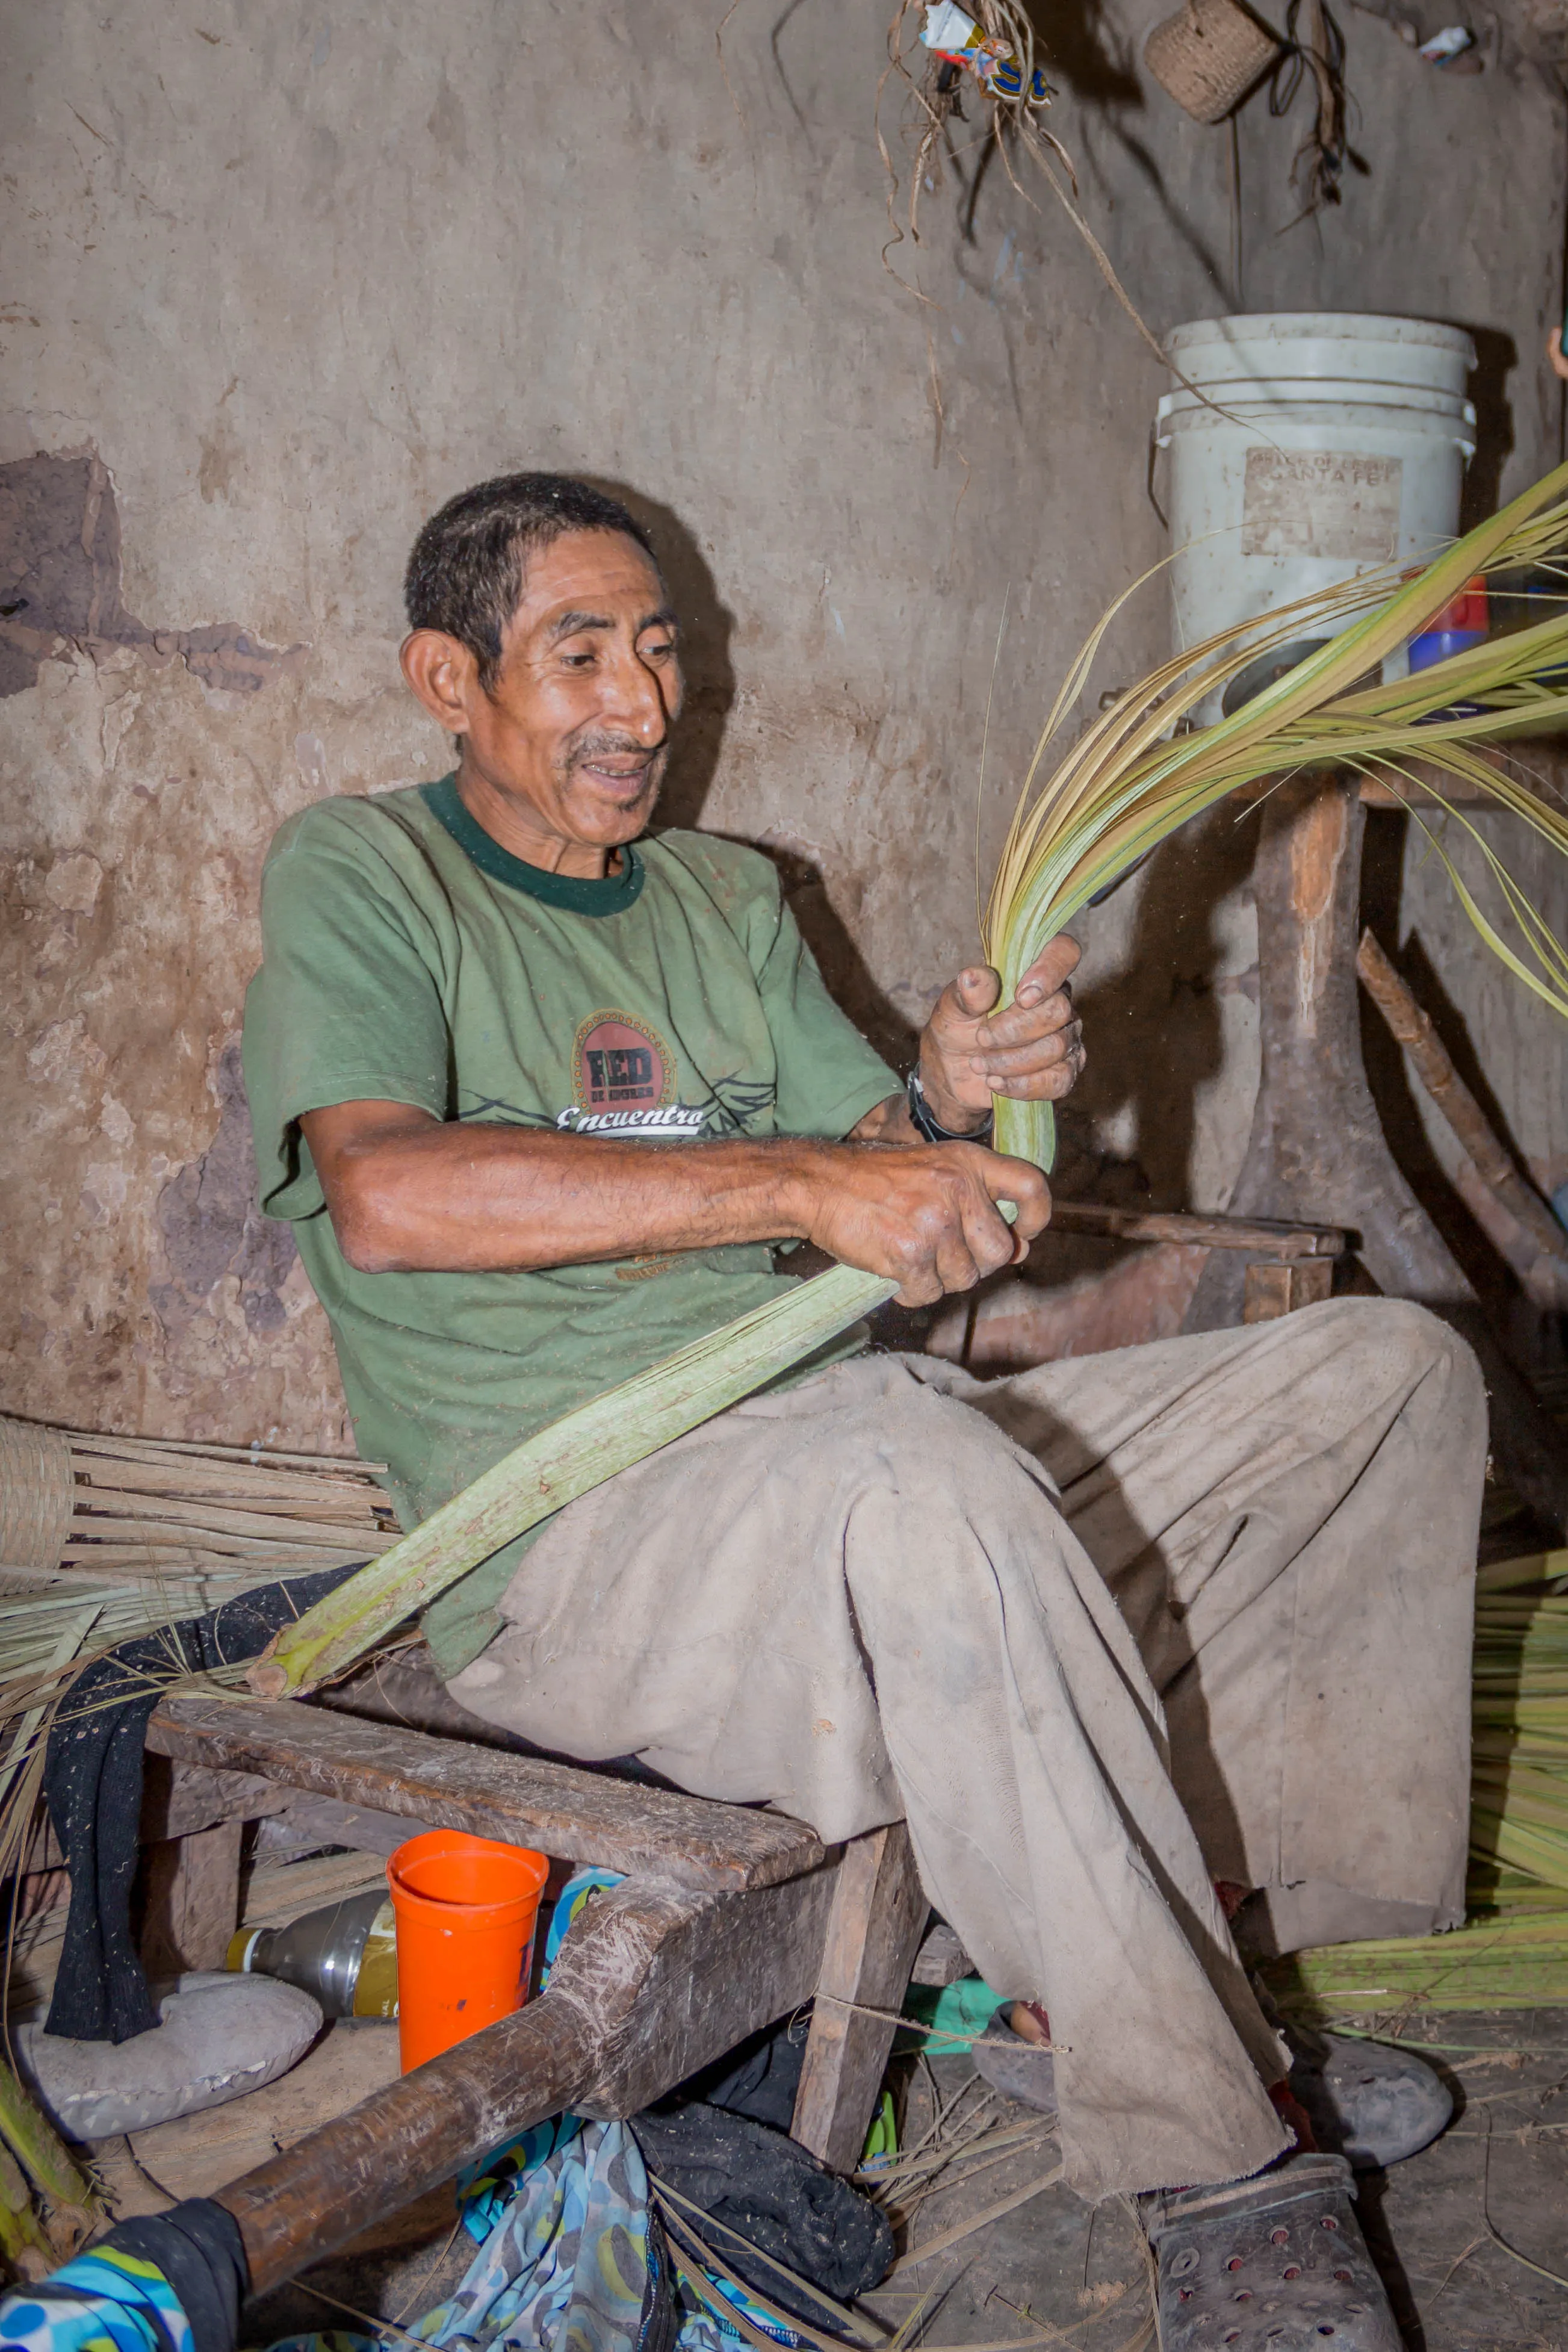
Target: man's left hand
x=1032 y=1051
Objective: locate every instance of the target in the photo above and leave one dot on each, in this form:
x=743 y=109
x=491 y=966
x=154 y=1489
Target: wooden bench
x=728 y=1917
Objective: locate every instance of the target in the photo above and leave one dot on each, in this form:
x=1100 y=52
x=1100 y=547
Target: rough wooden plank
x=1281 y=1239
x=941 y=1960
x=715 y=1975
x=323 y=1820
x=403 y=1687
x=878 y=1918
x=406 y=2139
x=445 y=1783
x=651 y=1983
x=192 y=1900
x=177 y=1799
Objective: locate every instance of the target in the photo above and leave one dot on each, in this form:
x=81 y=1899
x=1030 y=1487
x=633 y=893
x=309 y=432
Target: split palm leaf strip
x=555 y=1465
x=1131 y=778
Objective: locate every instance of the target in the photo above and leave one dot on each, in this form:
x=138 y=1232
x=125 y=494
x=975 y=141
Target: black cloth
x=776 y=2197
x=198 y=2247
x=658 y=2322
x=92 y=1781
x=760 y=2077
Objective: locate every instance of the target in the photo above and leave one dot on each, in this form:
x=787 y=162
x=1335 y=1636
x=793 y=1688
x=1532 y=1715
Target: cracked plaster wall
x=280 y=279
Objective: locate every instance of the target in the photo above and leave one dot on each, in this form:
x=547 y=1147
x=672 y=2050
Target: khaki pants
x=1103 y=1631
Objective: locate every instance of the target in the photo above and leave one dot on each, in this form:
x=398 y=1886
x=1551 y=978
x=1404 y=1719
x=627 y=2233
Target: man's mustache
x=598 y=747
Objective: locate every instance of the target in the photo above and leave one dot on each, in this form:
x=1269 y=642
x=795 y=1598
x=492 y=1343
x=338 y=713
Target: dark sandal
x=1368 y=2102
x=1018 y=2069
x=1274 y=2264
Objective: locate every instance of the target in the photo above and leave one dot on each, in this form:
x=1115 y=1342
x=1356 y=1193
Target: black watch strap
x=934 y=1132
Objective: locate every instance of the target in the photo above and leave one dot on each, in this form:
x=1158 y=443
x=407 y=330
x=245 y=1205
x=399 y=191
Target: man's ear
x=443 y=674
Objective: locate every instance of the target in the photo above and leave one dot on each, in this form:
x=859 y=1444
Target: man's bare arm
x=408 y=1193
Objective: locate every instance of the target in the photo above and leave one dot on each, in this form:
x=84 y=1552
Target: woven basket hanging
x=37 y=1496
x=72 y=1502
x=1209 y=55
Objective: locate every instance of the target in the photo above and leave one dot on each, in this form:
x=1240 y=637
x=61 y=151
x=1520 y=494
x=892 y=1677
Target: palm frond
x=1139 y=771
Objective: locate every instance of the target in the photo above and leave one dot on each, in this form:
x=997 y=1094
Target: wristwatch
x=933 y=1131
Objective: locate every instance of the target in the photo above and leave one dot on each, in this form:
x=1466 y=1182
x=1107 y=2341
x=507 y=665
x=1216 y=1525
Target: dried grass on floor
x=972 y=2160
x=1512 y=1951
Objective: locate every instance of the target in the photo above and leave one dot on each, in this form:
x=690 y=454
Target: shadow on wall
x=1098 y=61
x=1495 y=354
x=212 y=1226
x=1154 y=1030
x=707 y=626
x=1086 y=50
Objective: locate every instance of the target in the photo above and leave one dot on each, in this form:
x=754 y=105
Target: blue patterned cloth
x=568 y=2260
x=105 y=2300
x=565 y=2255
x=568 y=1903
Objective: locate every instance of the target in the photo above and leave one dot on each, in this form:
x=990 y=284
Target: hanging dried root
x=1015 y=101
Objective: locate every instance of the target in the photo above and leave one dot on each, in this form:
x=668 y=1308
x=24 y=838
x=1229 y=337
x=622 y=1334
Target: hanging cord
x=1321 y=159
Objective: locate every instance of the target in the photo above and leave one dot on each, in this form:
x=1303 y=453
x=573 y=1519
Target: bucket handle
x=1156 y=443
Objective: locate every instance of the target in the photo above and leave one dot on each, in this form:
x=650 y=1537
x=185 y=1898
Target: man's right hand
x=923 y=1216
x=408 y=1193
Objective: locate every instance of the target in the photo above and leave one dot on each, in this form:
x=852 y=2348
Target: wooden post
x=874 y=1933
x=1317 y=1149
x=192 y=1900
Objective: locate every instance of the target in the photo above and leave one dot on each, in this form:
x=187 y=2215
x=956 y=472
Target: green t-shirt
x=409 y=958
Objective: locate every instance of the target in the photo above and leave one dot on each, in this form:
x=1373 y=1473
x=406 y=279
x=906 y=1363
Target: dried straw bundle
x=105 y=1537
x=1519 y=1800
x=86 y=1506
x=1513 y=1952
x=1513 y=1957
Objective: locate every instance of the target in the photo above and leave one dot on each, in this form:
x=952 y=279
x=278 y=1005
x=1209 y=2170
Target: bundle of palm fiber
x=1512 y=1951
x=103 y=1538
x=75 y=1503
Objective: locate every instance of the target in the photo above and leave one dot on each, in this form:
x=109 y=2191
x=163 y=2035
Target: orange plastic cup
x=465 y=1911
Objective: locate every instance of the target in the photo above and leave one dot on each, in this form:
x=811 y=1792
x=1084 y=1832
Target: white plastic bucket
x=1342 y=448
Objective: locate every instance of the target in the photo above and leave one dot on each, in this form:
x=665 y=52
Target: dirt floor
x=1075 y=2275
x=1017 y=2261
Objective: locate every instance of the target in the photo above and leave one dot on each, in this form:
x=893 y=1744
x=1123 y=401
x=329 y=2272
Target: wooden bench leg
x=1271 y=1291
x=653 y=1981
x=874 y=1933
x=192 y=1900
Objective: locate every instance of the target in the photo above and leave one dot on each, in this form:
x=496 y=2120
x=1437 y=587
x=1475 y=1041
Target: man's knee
x=1397 y=1347
x=949 y=1472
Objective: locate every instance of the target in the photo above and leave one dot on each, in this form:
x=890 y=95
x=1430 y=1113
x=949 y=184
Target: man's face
x=574 y=735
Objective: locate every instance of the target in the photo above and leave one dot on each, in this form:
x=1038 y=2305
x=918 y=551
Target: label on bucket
x=1320 y=502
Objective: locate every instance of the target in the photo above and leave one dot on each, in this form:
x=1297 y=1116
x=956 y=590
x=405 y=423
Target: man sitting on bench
x=1135 y=1642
